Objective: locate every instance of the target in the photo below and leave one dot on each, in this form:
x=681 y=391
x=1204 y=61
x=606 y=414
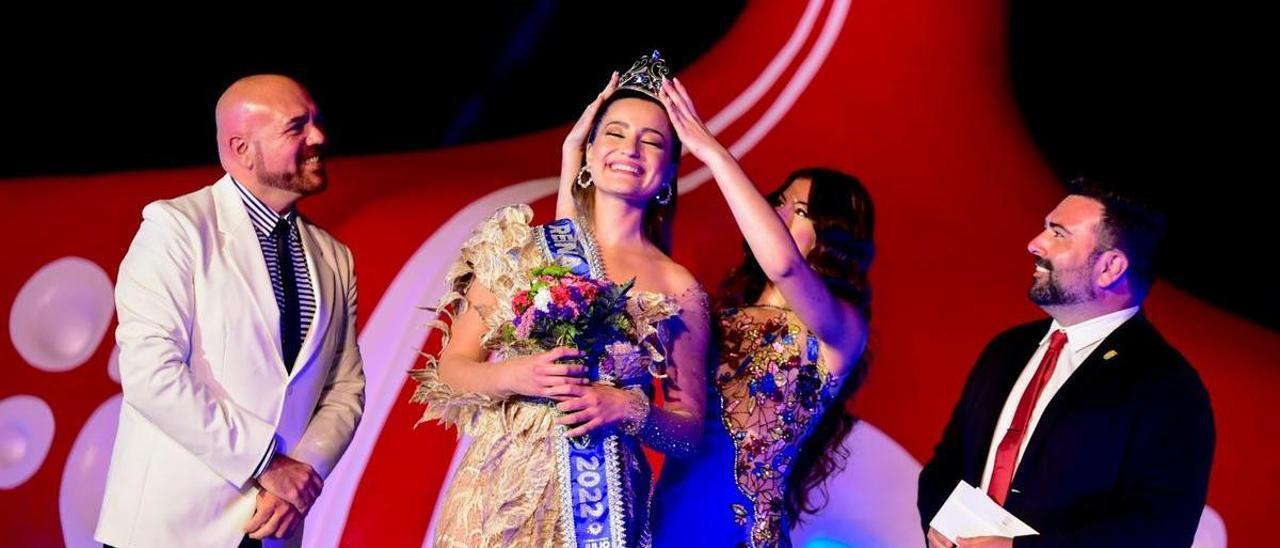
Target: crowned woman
x=557 y=423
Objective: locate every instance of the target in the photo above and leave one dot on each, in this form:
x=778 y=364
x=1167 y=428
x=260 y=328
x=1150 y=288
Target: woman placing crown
x=792 y=326
x=555 y=457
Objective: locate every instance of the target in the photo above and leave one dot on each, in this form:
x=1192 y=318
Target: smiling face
x=631 y=153
x=270 y=135
x=1066 y=254
x=289 y=143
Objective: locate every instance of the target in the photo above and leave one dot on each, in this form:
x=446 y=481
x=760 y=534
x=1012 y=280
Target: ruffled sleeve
x=495 y=256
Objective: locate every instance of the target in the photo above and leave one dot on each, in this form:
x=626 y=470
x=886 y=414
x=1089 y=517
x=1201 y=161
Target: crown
x=646 y=75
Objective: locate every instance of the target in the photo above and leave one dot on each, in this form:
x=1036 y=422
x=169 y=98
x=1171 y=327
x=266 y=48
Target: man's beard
x=304 y=184
x=1051 y=290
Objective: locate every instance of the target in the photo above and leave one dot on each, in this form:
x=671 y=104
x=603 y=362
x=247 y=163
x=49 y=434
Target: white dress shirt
x=1082 y=339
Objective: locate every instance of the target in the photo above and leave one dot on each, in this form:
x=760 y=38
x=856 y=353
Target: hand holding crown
x=577 y=137
x=693 y=134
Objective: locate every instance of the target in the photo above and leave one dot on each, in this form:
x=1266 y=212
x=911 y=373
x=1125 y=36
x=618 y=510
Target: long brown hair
x=844 y=220
x=657 y=217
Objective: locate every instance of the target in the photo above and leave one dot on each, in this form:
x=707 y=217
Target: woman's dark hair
x=843 y=220
x=657 y=216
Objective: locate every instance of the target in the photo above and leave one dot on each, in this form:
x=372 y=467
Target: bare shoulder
x=675 y=279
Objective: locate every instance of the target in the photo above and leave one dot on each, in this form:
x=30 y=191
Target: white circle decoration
x=113 y=365
x=26 y=431
x=84 y=479
x=61 y=313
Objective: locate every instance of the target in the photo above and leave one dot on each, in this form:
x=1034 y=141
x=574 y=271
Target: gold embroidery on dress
x=773 y=386
x=505 y=489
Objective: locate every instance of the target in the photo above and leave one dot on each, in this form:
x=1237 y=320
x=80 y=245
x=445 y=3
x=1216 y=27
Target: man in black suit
x=1087 y=426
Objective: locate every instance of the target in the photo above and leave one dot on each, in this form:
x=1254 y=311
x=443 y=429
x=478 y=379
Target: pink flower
x=521 y=302
x=560 y=295
x=524 y=325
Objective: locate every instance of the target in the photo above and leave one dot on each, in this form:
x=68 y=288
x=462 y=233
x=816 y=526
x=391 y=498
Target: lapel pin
x=1110 y=354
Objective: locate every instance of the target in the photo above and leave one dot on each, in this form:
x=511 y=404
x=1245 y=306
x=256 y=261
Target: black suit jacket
x=1120 y=456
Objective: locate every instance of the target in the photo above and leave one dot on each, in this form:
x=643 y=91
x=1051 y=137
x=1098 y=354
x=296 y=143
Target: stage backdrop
x=912 y=96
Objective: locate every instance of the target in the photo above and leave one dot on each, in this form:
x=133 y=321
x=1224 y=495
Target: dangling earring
x=584 y=183
x=664 y=195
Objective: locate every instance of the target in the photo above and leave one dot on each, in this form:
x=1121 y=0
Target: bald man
x=242 y=380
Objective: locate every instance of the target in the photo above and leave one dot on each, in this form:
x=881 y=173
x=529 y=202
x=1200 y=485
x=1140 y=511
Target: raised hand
x=577 y=137
x=693 y=134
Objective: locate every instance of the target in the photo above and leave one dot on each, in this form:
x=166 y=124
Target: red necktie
x=1007 y=452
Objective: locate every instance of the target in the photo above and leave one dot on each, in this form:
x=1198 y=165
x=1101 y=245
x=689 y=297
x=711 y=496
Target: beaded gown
x=770 y=387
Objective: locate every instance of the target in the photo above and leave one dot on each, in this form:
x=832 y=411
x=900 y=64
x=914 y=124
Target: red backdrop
x=913 y=97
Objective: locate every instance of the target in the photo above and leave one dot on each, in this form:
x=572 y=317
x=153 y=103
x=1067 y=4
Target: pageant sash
x=591 y=498
x=590 y=491
x=563 y=243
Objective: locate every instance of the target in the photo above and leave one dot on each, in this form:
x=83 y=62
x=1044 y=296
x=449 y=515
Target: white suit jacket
x=205 y=388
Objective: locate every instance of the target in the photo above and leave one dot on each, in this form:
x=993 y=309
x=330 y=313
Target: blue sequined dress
x=770 y=388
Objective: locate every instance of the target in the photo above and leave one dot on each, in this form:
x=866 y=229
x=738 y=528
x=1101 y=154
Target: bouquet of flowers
x=564 y=309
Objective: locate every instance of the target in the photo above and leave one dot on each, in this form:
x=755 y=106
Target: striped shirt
x=264 y=222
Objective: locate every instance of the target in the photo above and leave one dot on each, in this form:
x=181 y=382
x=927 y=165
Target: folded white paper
x=969 y=512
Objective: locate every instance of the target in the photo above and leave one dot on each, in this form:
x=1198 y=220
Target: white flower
x=541 y=299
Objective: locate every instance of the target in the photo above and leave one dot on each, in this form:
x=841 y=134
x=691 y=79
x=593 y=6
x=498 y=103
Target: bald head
x=269 y=136
x=250 y=102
